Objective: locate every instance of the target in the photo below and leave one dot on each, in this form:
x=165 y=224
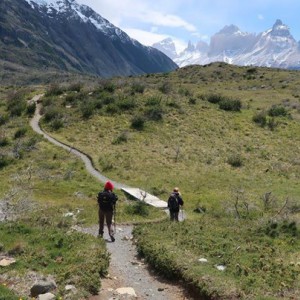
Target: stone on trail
x=47 y=296
x=42 y=287
x=203 y=260
x=7 y=261
x=126 y=290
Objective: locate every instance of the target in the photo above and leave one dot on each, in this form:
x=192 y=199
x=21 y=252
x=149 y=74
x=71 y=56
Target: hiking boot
x=112 y=238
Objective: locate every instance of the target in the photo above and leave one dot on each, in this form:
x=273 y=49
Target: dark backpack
x=173 y=203
x=106 y=200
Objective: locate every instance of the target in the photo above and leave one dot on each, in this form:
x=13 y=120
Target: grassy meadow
x=228 y=137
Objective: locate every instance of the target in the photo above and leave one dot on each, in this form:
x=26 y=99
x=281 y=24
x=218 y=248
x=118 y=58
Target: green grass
x=257 y=264
x=47 y=245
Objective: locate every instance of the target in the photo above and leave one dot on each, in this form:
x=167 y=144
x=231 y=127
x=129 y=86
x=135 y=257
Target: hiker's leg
x=176 y=216
x=172 y=216
x=109 y=215
x=101 y=222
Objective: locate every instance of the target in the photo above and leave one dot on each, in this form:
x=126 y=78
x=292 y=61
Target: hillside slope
x=71 y=37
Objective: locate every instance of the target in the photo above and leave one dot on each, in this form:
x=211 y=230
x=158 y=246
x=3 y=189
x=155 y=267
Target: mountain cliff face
x=63 y=35
x=275 y=47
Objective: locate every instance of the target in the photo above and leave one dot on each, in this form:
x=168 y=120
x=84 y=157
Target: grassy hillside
x=227 y=136
x=40 y=186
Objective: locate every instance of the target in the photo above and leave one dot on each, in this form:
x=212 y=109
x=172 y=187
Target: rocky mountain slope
x=63 y=35
x=275 y=47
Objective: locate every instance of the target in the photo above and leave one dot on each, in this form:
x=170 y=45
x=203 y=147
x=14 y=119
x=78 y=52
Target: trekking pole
x=115 y=218
x=181 y=214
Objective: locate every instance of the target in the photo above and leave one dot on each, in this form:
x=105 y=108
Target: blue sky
x=150 y=21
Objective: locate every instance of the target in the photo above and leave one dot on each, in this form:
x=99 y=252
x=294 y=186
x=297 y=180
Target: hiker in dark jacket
x=174 y=203
x=107 y=201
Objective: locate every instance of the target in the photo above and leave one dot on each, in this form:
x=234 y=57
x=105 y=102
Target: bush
x=184 y=92
x=3 y=119
x=76 y=87
x=214 y=98
x=139 y=208
x=16 y=106
x=31 y=109
x=154 y=113
x=112 y=108
x=20 y=133
x=51 y=113
x=165 y=88
x=260 y=118
x=126 y=104
x=4 y=161
x=277 y=111
x=235 y=160
x=154 y=100
x=109 y=86
x=137 y=88
x=4 y=141
x=57 y=124
x=138 y=123
x=122 y=138
x=87 y=109
x=54 y=90
x=230 y=104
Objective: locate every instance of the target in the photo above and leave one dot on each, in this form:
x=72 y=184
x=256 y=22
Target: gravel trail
x=126 y=270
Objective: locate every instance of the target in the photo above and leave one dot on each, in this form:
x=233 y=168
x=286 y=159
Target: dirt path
x=126 y=269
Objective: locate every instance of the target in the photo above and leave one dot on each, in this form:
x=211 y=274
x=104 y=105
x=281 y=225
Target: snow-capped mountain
x=166 y=46
x=64 y=35
x=275 y=47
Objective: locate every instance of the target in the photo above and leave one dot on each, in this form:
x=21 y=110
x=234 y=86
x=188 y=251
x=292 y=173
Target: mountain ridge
x=64 y=35
x=275 y=47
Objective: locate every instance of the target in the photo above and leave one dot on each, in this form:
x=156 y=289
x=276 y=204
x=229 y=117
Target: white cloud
x=149 y=38
x=117 y=11
x=260 y=17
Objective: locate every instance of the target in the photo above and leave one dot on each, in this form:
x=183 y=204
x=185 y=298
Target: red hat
x=108 y=186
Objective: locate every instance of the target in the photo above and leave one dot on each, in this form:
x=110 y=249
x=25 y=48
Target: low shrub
x=126 y=104
x=4 y=141
x=51 y=113
x=235 y=160
x=4 y=161
x=165 y=88
x=230 y=104
x=109 y=86
x=31 y=109
x=57 y=124
x=260 y=118
x=87 y=109
x=277 y=111
x=112 y=108
x=121 y=138
x=54 y=90
x=138 y=123
x=153 y=101
x=214 y=98
x=3 y=119
x=20 y=133
x=154 y=113
x=139 y=208
x=138 y=87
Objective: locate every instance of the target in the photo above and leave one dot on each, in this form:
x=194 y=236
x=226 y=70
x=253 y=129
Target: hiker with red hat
x=107 y=201
x=174 y=203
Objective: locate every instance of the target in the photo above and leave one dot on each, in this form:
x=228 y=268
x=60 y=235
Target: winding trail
x=34 y=123
x=126 y=268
